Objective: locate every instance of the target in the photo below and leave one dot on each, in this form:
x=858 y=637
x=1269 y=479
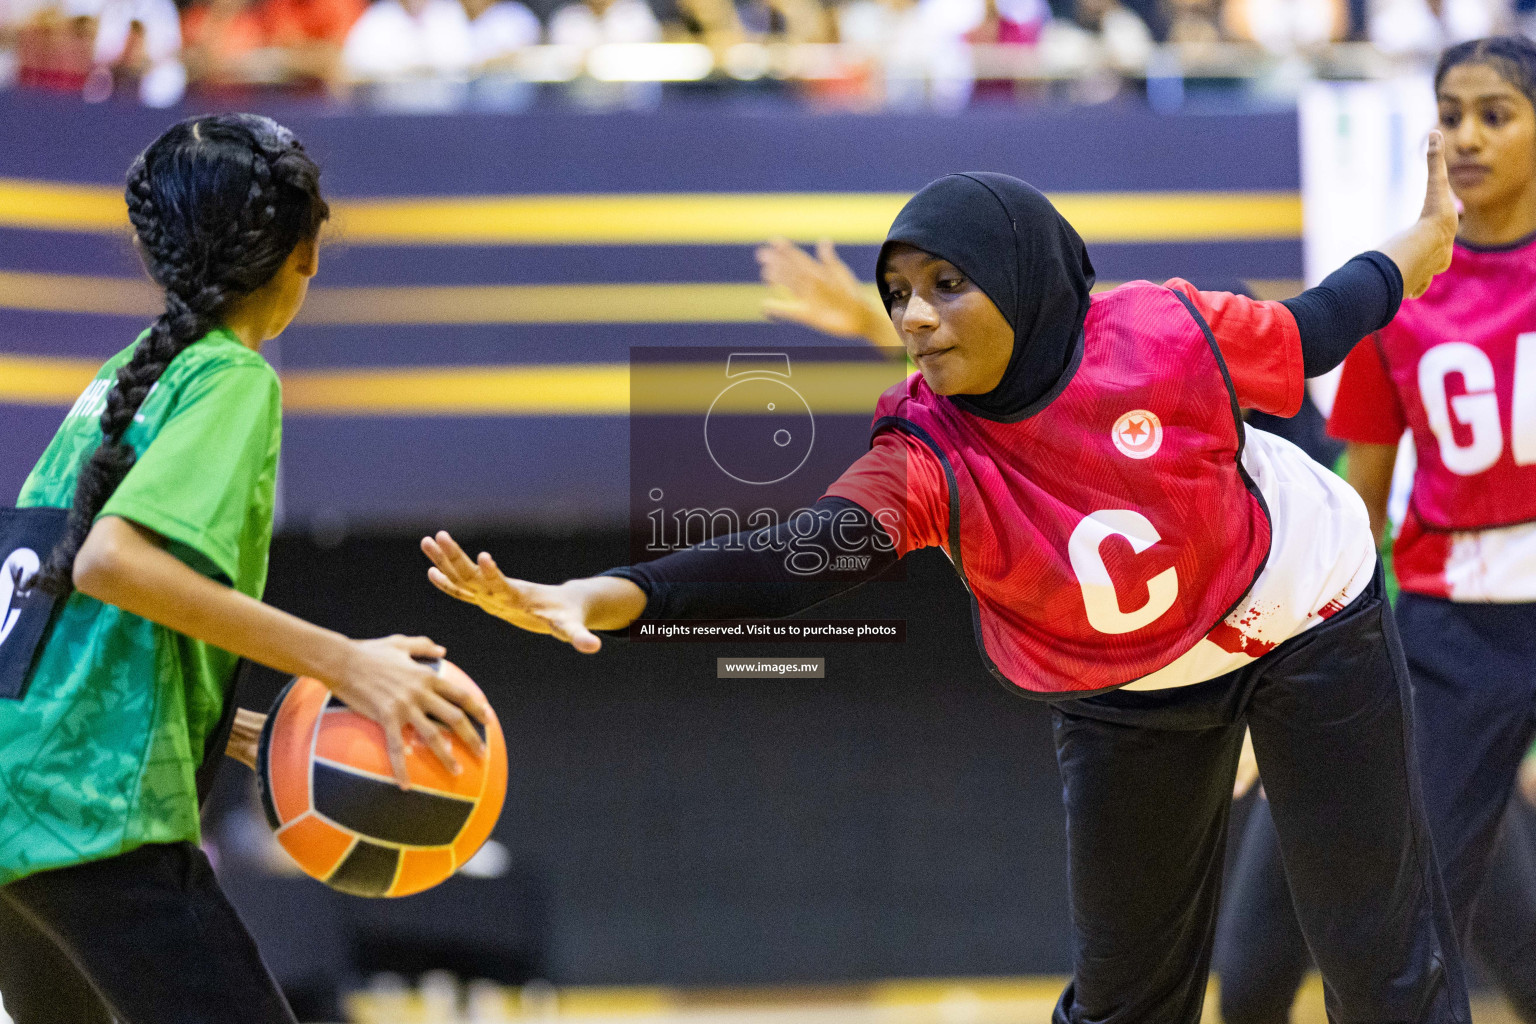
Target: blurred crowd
x=872 y=52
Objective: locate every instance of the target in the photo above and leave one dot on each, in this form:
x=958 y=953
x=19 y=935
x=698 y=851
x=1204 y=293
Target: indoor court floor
x=957 y=1001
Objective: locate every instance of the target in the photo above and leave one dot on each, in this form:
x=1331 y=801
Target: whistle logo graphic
x=759 y=430
x=17 y=571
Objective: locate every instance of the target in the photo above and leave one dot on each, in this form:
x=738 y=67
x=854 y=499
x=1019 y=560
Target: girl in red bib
x=1457 y=369
x=1138 y=558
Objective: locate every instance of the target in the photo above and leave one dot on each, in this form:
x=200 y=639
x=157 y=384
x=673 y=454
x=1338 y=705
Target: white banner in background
x=1362 y=165
x=1362 y=180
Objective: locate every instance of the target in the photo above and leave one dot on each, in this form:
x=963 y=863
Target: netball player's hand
x=244 y=735
x=568 y=612
x=1247 y=769
x=1439 y=208
x=387 y=681
x=822 y=292
x=1425 y=249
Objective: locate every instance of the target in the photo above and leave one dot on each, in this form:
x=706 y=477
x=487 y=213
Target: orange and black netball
x=332 y=800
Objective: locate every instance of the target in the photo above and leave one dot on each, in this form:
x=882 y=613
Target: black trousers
x=1262 y=957
x=1474 y=692
x=152 y=935
x=1147 y=780
x=39 y=982
x=1474 y=686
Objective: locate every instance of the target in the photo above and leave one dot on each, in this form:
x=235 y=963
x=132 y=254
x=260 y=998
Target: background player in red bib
x=1456 y=368
x=1140 y=559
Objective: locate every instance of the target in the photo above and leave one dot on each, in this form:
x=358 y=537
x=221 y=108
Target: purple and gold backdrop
x=463 y=357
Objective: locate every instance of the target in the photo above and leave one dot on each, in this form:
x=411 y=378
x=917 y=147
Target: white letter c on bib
x=1099 y=598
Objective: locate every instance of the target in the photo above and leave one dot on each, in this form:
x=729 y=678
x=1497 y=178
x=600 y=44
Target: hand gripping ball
x=329 y=794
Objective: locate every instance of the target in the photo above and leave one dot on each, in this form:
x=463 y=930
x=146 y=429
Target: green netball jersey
x=99 y=755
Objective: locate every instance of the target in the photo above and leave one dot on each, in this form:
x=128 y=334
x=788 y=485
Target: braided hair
x=1513 y=57
x=218 y=205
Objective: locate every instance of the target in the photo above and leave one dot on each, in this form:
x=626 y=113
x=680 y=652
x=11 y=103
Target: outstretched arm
x=767 y=573
x=894 y=499
x=568 y=611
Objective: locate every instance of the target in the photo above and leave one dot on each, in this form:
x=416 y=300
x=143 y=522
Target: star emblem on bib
x=1138 y=434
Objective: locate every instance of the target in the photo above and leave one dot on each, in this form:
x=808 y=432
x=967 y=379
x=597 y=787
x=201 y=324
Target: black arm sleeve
x=1360 y=297
x=767 y=573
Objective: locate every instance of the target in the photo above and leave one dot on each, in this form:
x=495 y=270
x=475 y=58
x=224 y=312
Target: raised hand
x=1439 y=209
x=823 y=293
x=559 y=611
x=1425 y=249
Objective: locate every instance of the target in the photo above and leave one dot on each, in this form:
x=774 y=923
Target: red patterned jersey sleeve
x=1367 y=409
x=900 y=482
x=1261 y=346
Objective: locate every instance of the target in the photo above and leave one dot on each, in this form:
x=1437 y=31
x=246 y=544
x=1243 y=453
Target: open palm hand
x=535 y=607
x=819 y=291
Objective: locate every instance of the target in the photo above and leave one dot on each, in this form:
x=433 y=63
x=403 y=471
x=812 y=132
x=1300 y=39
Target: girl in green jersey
x=167 y=464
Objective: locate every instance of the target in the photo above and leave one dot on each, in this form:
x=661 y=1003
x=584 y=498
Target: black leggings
x=1262 y=958
x=148 y=930
x=1474 y=693
x=1147 y=780
x=39 y=983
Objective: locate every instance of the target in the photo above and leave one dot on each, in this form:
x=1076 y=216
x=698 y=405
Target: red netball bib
x=1463 y=360
x=1104 y=535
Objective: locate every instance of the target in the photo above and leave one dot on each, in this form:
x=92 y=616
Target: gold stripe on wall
x=679 y=218
x=688 y=302
x=44 y=380
x=1111 y=217
x=846 y=218
x=690 y=218
x=52 y=206
x=600 y=389
x=77 y=293
x=595 y=389
x=538 y=304
x=431 y=304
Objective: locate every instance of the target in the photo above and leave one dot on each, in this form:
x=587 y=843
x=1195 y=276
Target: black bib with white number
x=27 y=535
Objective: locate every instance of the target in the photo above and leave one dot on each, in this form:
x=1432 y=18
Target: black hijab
x=1008 y=238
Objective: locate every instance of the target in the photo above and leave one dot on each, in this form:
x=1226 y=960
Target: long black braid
x=1513 y=57
x=218 y=205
